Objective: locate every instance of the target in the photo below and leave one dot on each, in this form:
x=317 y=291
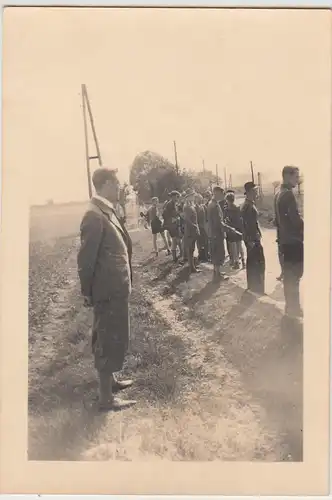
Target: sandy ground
x=218 y=374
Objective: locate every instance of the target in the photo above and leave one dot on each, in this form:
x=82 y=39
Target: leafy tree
x=153 y=175
x=201 y=181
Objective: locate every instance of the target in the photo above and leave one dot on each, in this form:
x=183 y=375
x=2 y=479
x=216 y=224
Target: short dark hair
x=218 y=189
x=289 y=170
x=102 y=175
x=249 y=186
x=230 y=196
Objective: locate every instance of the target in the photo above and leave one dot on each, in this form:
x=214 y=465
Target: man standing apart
x=290 y=229
x=252 y=238
x=216 y=233
x=191 y=229
x=104 y=267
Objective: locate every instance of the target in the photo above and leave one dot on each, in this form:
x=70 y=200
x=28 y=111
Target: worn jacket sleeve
x=293 y=212
x=240 y=220
x=91 y=235
x=190 y=217
x=245 y=224
x=130 y=250
x=275 y=219
x=166 y=212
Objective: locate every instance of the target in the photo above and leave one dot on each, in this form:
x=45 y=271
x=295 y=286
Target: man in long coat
x=252 y=236
x=104 y=267
x=290 y=231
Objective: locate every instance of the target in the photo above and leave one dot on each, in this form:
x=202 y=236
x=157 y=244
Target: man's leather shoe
x=121 y=385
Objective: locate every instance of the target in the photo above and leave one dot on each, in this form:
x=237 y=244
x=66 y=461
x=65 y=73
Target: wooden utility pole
x=217 y=174
x=87 y=157
x=87 y=106
x=225 y=178
x=252 y=172
x=259 y=180
x=203 y=162
x=176 y=159
x=230 y=181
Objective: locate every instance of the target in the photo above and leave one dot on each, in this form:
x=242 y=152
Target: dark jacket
x=191 y=229
x=289 y=222
x=170 y=216
x=201 y=216
x=215 y=220
x=251 y=229
x=104 y=257
x=233 y=218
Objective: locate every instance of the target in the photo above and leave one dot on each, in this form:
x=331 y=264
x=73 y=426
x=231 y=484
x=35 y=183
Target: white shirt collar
x=116 y=208
x=109 y=204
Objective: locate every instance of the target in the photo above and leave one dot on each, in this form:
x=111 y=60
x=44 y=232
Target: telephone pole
x=252 y=172
x=176 y=159
x=217 y=174
x=203 y=162
x=87 y=157
x=225 y=178
x=86 y=106
x=260 y=188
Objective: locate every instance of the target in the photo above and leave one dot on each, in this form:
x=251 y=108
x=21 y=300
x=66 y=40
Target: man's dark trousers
x=255 y=267
x=293 y=272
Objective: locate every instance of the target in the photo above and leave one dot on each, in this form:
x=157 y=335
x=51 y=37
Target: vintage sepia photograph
x=168 y=157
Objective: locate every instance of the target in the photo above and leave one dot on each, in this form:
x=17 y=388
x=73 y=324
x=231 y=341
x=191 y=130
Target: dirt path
x=216 y=376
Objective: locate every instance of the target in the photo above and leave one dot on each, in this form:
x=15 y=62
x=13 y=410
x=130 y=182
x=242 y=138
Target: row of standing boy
x=190 y=219
x=185 y=223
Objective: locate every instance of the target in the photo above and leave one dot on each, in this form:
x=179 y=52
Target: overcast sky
x=229 y=85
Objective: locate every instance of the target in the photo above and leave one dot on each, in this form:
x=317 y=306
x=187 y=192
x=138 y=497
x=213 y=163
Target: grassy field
x=217 y=375
x=50 y=222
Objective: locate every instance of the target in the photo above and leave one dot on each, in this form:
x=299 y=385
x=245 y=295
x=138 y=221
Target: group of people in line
x=105 y=254
x=213 y=221
x=191 y=220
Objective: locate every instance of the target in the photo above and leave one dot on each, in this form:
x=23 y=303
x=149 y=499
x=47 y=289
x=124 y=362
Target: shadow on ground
x=63 y=416
x=265 y=346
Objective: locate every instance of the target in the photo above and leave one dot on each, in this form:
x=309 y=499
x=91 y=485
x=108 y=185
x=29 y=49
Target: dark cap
x=218 y=189
x=249 y=185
